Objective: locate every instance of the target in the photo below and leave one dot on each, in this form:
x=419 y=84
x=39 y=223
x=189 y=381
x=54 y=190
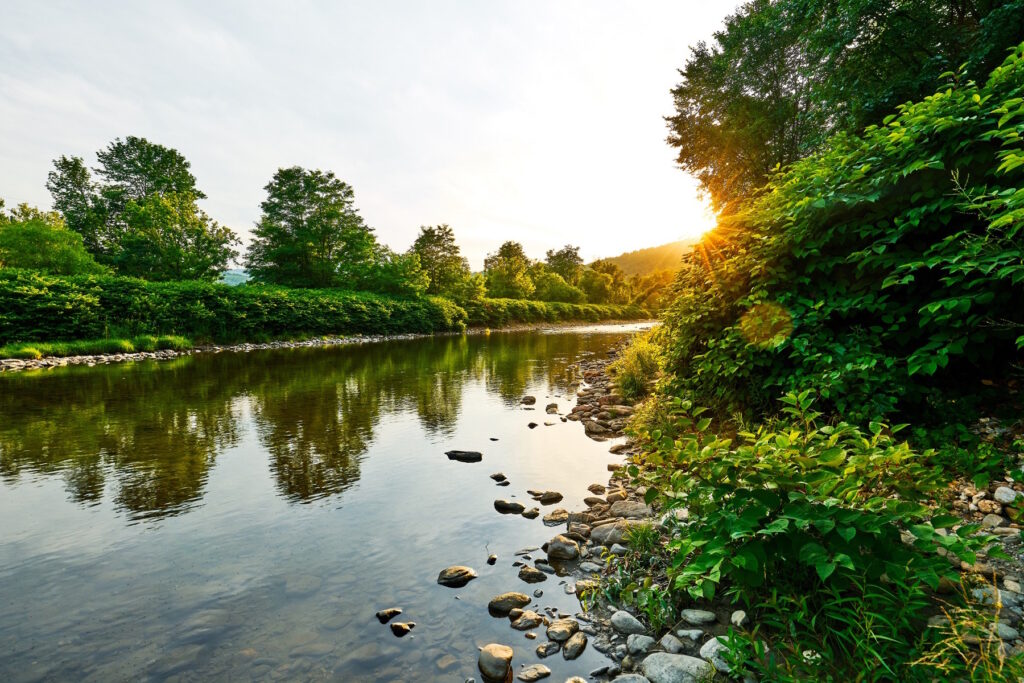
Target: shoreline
x=48 y=362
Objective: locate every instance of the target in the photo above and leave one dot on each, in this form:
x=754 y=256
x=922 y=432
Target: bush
x=501 y=312
x=637 y=367
x=806 y=524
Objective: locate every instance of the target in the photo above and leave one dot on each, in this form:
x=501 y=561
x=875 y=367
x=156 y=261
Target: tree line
x=137 y=214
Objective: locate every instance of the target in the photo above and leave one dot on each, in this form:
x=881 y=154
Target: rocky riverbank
x=21 y=364
x=594 y=543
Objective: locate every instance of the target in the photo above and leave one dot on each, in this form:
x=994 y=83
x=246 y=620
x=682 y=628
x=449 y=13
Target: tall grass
x=93 y=347
x=637 y=366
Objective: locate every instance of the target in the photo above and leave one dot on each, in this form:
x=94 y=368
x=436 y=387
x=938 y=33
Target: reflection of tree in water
x=157 y=429
x=154 y=430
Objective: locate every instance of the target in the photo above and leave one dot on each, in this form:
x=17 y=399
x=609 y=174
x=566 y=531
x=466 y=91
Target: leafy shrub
x=812 y=516
x=637 y=366
x=500 y=312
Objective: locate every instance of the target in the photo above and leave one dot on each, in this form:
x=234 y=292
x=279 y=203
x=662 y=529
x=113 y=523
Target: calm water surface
x=241 y=516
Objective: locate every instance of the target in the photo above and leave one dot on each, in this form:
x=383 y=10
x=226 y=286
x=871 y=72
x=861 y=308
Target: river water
x=242 y=516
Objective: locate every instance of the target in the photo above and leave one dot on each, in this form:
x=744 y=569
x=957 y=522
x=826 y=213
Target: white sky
x=528 y=120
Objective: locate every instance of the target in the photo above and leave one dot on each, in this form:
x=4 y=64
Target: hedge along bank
x=39 y=307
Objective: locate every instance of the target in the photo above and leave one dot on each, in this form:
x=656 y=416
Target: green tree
x=310 y=234
x=784 y=75
x=507 y=272
x=550 y=286
x=77 y=199
x=394 y=273
x=37 y=240
x=596 y=286
x=565 y=262
x=167 y=237
x=136 y=168
x=441 y=259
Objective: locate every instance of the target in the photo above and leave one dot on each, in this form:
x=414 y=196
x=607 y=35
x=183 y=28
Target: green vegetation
x=873 y=278
x=500 y=312
x=637 y=366
x=33 y=239
x=89 y=347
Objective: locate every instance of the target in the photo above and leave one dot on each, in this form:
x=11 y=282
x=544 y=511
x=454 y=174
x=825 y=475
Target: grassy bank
x=115 y=312
x=93 y=347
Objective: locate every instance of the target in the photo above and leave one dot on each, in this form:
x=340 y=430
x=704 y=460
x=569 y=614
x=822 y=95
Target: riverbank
x=622 y=570
x=46 y=362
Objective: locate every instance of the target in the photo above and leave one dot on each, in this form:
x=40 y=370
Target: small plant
x=642 y=538
x=637 y=366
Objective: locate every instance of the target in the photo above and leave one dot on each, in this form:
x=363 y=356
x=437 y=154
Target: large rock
x=662 y=667
x=506 y=602
x=456 y=576
x=714 y=651
x=562 y=548
x=574 y=647
x=1005 y=495
x=698 y=616
x=610 y=534
x=561 y=630
x=624 y=622
x=465 y=456
x=508 y=507
x=496 y=662
x=638 y=644
x=532 y=575
x=630 y=509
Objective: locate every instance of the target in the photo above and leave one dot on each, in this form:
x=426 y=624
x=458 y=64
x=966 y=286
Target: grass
x=637 y=366
x=92 y=347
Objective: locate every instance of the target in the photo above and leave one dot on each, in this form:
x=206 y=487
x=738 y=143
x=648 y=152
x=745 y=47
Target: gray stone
x=1005 y=495
x=670 y=643
x=617 y=549
x=1006 y=632
x=694 y=634
x=739 y=619
x=698 y=616
x=547 y=649
x=639 y=644
x=630 y=678
x=495 y=661
x=456 y=576
x=574 y=647
x=610 y=534
x=624 y=622
x=713 y=651
x=630 y=510
x=991 y=521
x=662 y=667
x=590 y=567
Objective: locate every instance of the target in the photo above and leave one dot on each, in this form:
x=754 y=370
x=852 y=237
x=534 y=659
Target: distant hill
x=653 y=259
x=234 y=276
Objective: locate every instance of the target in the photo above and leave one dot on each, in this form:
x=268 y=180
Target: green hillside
x=653 y=259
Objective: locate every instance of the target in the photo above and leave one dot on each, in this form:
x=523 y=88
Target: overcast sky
x=535 y=121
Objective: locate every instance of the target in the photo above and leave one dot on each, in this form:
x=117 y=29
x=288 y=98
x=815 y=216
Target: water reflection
x=147 y=435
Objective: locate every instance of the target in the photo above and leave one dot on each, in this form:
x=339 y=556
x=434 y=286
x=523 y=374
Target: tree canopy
x=38 y=240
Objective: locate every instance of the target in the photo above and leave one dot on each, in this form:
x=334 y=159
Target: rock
x=616 y=496
x=526 y=620
x=574 y=647
x=639 y=644
x=534 y=672
x=532 y=425
x=1005 y=495
x=630 y=509
x=532 y=513
x=492 y=559
x=456 y=576
x=610 y=534
x=551 y=409
x=990 y=507
x=617 y=549
x=531 y=575
x=528 y=400
x=547 y=649
x=662 y=667
x=590 y=567
x=544 y=567
x=713 y=651
x=508 y=507
x=591 y=427
x=624 y=622
x=465 y=456
x=548 y=497
x=991 y=521
x=739 y=619
x=498 y=476
x=562 y=548
x=446 y=662
x=400 y=629
x=538 y=593
x=386 y=615
x=596 y=489
x=698 y=616
x=694 y=634
x=670 y=643
x=562 y=629
x=506 y=602
x=1006 y=632
x=556 y=517
x=591 y=501
x=579 y=529
x=630 y=678
x=495 y=661
x=503 y=483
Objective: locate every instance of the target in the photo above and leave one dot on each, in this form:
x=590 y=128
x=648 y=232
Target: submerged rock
x=456 y=576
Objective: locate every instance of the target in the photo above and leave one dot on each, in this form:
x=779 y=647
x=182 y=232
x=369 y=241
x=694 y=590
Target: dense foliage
x=500 y=312
x=782 y=76
x=33 y=239
x=875 y=271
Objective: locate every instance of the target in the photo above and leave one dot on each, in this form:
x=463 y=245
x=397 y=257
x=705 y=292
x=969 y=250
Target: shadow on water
x=241 y=516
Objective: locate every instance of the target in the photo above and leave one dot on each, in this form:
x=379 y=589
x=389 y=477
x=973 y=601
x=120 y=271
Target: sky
x=541 y=122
